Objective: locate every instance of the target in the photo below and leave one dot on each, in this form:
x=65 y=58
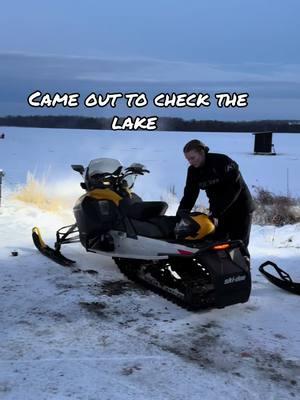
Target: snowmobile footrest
x=54 y=255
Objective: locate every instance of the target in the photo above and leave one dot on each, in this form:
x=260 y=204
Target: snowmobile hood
x=104 y=194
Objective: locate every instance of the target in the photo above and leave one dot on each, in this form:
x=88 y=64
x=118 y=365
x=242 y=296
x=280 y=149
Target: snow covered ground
x=89 y=333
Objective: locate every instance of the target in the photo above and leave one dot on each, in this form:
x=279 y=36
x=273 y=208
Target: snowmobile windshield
x=130 y=181
x=104 y=166
x=102 y=172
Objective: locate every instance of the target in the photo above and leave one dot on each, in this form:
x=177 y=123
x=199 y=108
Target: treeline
x=164 y=124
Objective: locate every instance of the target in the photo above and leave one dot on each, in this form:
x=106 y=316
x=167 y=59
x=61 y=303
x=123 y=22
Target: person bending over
x=230 y=201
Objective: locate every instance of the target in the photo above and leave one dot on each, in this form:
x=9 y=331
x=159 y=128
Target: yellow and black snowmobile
x=176 y=257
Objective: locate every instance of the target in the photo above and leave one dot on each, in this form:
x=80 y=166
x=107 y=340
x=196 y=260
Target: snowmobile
x=177 y=257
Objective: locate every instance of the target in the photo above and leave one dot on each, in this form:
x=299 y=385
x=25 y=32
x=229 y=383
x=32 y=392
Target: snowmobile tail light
x=185 y=252
x=221 y=246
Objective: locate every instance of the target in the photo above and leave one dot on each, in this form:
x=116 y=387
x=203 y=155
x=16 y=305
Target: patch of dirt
x=277 y=369
x=128 y=323
x=279 y=336
x=59 y=317
x=95 y=307
x=149 y=314
x=251 y=308
x=118 y=288
x=75 y=271
x=196 y=350
x=63 y=285
x=89 y=271
x=206 y=346
x=198 y=345
x=143 y=329
x=211 y=325
x=56 y=316
x=24 y=322
x=130 y=370
x=211 y=351
x=43 y=332
x=5 y=387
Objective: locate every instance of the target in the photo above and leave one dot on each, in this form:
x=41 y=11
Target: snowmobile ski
x=284 y=282
x=54 y=254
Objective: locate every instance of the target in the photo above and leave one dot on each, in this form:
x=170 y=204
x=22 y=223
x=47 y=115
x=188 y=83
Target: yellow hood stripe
x=105 y=194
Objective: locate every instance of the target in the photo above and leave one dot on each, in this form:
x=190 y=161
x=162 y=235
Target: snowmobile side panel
x=145 y=246
x=94 y=218
x=231 y=276
x=142 y=247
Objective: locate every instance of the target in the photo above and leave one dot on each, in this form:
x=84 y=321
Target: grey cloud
x=21 y=74
x=135 y=70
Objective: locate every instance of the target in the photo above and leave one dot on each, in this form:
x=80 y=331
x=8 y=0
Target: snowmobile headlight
x=100 y=181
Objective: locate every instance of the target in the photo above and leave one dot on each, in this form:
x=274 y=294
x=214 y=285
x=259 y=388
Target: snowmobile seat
x=145 y=210
x=160 y=227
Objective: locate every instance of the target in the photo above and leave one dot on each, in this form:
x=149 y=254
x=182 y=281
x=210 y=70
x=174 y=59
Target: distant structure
x=1 y=176
x=263 y=143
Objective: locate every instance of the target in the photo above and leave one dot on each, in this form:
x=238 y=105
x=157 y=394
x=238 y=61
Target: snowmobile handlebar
x=134 y=169
x=116 y=179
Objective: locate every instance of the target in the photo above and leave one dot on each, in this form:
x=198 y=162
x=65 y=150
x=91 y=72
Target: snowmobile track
x=126 y=269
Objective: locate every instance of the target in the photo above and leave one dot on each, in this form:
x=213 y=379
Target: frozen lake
x=50 y=152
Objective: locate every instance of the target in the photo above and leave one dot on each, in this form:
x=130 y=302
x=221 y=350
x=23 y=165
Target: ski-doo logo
x=234 y=279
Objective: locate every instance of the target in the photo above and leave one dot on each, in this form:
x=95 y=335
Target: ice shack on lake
x=263 y=143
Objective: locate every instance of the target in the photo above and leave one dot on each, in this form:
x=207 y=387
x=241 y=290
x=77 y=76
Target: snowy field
x=89 y=333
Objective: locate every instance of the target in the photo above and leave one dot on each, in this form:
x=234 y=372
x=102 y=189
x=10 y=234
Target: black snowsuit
x=229 y=198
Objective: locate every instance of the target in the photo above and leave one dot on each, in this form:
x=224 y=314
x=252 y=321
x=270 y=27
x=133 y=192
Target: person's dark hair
x=196 y=145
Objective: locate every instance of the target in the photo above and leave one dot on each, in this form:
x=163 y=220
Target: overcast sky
x=154 y=46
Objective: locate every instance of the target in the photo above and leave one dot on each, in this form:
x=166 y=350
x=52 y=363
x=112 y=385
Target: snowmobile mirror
x=117 y=171
x=136 y=165
x=137 y=170
x=78 y=168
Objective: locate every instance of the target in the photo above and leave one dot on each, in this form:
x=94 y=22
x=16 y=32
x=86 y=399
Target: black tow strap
x=284 y=282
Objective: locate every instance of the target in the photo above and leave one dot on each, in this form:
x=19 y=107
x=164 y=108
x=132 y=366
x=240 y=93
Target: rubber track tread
x=127 y=269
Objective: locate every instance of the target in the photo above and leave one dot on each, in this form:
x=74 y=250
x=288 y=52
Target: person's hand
x=181 y=213
x=214 y=220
